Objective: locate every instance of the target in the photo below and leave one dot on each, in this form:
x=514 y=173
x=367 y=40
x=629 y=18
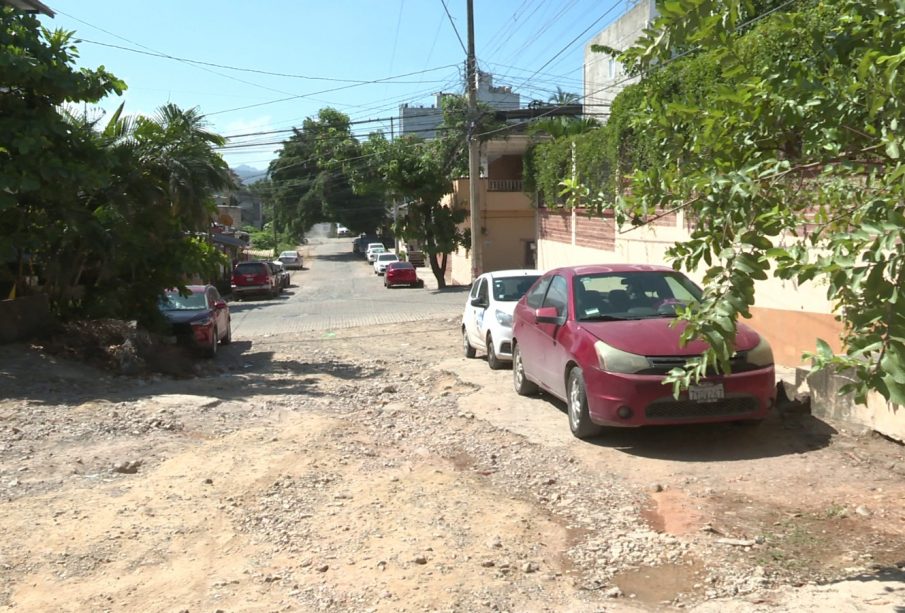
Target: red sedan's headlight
x=761 y=355
x=616 y=360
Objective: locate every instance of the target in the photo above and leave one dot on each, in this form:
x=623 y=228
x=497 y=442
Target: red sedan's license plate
x=706 y=392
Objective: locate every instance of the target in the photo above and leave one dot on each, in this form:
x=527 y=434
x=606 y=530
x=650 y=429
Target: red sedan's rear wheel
x=523 y=387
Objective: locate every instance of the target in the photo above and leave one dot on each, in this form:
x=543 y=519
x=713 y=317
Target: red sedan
x=601 y=339
x=200 y=319
x=401 y=273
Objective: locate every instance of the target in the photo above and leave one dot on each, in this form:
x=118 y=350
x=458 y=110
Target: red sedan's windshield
x=632 y=295
x=174 y=302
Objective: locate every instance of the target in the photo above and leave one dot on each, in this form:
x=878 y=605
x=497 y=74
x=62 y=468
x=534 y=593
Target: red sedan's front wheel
x=579 y=418
x=211 y=350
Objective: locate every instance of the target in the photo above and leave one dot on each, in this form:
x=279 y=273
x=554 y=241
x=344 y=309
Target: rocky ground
x=377 y=470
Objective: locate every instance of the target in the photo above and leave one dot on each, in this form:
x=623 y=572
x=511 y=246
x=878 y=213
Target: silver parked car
x=292 y=260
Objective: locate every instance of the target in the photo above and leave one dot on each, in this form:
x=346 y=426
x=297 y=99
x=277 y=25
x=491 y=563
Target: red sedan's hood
x=655 y=337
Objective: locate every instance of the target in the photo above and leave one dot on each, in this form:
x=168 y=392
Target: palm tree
x=184 y=149
x=562 y=97
x=558 y=127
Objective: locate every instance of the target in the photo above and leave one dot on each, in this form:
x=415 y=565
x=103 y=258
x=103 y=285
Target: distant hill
x=249 y=174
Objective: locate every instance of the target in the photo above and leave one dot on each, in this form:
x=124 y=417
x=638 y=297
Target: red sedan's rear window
x=399 y=266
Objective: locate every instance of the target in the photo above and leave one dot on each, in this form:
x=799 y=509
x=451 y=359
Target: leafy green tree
x=791 y=160
x=46 y=162
x=156 y=208
x=107 y=217
x=310 y=179
x=411 y=169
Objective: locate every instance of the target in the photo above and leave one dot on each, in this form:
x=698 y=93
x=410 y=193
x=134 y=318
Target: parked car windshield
x=289 y=254
x=510 y=289
x=632 y=295
x=172 y=301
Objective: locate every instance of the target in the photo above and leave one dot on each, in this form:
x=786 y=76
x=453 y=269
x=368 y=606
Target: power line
x=154 y=51
x=571 y=42
x=453 y=24
x=334 y=89
x=237 y=68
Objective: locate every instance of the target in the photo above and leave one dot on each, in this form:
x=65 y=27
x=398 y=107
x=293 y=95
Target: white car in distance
x=487 y=319
x=372 y=251
x=381 y=261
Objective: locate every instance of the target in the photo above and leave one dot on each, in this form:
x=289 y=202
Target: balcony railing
x=504 y=185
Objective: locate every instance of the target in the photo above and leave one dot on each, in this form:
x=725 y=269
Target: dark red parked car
x=255 y=278
x=601 y=339
x=401 y=273
x=200 y=319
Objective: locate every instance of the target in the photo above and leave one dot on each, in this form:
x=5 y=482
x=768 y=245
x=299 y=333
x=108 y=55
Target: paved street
x=338 y=289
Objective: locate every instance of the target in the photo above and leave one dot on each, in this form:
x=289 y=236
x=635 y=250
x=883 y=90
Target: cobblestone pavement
x=338 y=290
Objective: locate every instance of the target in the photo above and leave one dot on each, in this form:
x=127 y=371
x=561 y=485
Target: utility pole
x=474 y=153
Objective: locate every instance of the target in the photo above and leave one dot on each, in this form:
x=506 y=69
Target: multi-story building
x=604 y=76
x=423 y=121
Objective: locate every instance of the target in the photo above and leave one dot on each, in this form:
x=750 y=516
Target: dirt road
x=373 y=468
x=384 y=473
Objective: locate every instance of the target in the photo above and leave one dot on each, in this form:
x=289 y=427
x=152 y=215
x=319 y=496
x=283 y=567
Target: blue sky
x=534 y=46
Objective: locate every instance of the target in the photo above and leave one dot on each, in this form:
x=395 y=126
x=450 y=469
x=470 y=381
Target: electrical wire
x=219 y=74
x=237 y=68
x=453 y=24
x=325 y=91
x=571 y=42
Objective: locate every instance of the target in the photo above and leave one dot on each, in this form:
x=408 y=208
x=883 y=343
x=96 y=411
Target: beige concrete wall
x=508 y=220
x=791 y=316
x=827 y=400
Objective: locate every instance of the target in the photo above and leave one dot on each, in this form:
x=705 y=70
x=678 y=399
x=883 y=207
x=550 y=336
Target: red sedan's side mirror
x=220 y=304
x=546 y=315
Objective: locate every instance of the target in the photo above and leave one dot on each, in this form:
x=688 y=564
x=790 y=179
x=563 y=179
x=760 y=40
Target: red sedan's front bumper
x=641 y=400
x=202 y=335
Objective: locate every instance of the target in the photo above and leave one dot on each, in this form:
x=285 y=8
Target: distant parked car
x=602 y=339
x=200 y=319
x=381 y=261
x=251 y=278
x=282 y=274
x=292 y=260
x=401 y=273
x=487 y=318
x=342 y=230
x=372 y=251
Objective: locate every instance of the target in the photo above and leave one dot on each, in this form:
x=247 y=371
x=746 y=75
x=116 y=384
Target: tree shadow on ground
x=452 y=289
x=237 y=372
x=342 y=257
x=786 y=431
x=259 y=302
x=893 y=574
